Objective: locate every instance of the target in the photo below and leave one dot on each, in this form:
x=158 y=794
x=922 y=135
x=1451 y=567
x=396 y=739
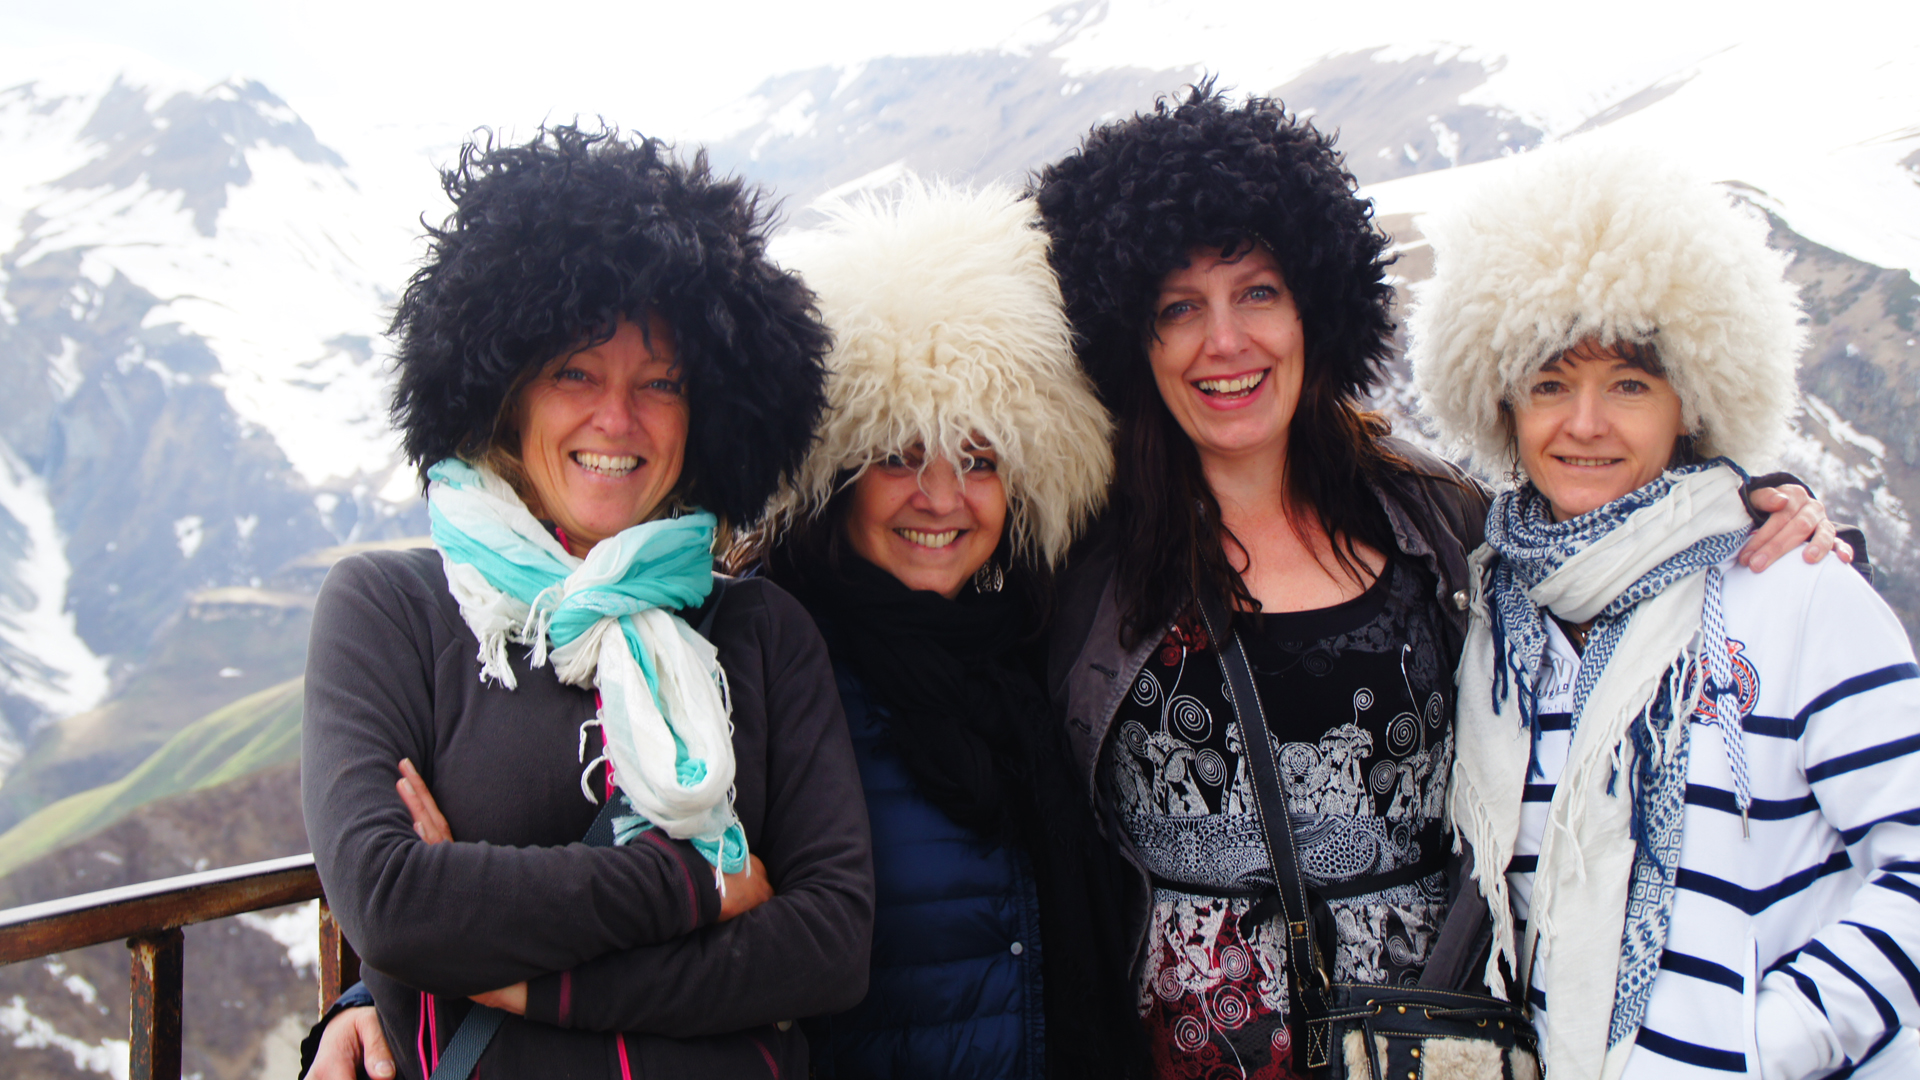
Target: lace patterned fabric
x=1358 y=696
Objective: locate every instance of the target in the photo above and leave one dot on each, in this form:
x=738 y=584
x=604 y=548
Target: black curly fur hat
x=551 y=243
x=1139 y=194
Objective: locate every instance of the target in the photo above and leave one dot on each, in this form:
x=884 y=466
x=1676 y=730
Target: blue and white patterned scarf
x=1653 y=548
x=606 y=622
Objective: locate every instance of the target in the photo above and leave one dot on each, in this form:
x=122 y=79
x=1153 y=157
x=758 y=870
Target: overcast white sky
x=394 y=85
x=656 y=67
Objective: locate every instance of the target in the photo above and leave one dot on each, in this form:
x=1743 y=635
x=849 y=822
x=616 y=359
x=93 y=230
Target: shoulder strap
x=476 y=1032
x=1315 y=989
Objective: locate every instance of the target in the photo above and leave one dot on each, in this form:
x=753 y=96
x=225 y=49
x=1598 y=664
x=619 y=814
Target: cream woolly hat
x=1587 y=240
x=947 y=326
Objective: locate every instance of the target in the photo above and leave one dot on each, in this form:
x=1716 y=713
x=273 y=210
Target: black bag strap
x=476 y=1032
x=1310 y=980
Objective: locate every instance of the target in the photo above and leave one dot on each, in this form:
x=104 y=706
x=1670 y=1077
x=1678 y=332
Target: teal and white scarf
x=606 y=622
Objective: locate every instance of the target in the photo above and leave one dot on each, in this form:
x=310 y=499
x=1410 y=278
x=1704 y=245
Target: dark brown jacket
x=609 y=939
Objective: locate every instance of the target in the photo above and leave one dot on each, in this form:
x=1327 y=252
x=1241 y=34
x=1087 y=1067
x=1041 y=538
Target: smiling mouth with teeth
x=1238 y=386
x=929 y=539
x=605 y=464
x=1588 y=463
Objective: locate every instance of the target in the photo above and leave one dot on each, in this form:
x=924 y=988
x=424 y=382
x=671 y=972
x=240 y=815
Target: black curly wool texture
x=551 y=243
x=1140 y=194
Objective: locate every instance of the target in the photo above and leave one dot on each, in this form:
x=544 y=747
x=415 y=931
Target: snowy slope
x=192 y=294
x=283 y=266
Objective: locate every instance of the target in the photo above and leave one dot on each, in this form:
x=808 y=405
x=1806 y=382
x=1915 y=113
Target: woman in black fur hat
x=1229 y=294
x=598 y=368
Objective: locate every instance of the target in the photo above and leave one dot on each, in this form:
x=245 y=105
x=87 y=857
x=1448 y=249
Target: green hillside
x=253 y=733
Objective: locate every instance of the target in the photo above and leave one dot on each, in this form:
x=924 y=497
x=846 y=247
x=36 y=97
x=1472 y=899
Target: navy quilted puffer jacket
x=955 y=988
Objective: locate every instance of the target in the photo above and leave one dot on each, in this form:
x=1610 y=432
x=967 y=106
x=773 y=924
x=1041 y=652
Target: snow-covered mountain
x=192 y=290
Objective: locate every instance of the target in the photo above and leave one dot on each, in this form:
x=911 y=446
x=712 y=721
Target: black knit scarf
x=961 y=709
x=961 y=683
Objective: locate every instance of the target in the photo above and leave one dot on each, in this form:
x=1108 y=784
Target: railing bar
x=339 y=967
x=153 y=1022
x=124 y=893
x=85 y=926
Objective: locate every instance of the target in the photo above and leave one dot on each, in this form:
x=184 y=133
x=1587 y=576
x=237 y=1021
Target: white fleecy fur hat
x=948 y=327
x=1587 y=240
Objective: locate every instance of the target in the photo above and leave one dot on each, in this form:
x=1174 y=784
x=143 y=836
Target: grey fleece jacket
x=610 y=940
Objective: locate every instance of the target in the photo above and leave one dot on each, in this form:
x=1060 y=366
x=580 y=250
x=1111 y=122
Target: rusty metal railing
x=149 y=917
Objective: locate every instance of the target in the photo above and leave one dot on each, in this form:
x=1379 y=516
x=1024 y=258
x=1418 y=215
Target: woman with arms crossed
x=1689 y=788
x=595 y=360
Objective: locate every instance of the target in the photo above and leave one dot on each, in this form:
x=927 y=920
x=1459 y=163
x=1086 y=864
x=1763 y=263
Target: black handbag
x=1362 y=1031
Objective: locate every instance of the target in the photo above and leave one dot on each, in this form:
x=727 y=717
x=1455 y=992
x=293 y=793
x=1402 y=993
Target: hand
x=745 y=890
x=428 y=823
x=511 y=999
x=352 y=1035
x=1794 y=517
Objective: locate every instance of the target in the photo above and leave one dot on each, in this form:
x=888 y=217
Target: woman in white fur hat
x=1689 y=788
x=961 y=451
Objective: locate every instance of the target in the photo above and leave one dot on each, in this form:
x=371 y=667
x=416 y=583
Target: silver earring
x=989 y=578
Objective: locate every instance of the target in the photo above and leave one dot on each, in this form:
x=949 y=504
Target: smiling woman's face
x=1229 y=353
x=603 y=434
x=930 y=524
x=1594 y=425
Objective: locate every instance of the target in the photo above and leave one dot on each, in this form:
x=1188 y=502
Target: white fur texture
x=948 y=326
x=1590 y=241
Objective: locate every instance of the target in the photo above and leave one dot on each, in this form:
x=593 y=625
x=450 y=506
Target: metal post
x=339 y=967
x=154 y=1030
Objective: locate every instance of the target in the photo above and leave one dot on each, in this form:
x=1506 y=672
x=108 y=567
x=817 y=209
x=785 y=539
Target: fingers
x=1793 y=518
x=745 y=890
x=351 y=1038
x=428 y=823
x=511 y=999
x=374 y=1054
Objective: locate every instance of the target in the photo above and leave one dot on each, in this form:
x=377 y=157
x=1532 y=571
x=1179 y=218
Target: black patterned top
x=1359 y=697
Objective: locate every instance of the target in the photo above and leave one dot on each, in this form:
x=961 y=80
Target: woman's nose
x=940 y=491
x=1225 y=334
x=1589 y=418
x=615 y=414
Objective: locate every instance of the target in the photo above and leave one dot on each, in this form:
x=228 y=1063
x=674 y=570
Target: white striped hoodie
x=1795 y=951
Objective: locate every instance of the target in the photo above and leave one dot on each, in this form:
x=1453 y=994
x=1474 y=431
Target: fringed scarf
x=1644 y=570
x=606 y=622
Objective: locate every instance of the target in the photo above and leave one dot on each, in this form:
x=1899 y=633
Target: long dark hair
x=1130 y=206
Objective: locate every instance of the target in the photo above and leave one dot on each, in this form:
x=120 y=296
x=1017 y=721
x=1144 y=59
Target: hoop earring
x=990 y=578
